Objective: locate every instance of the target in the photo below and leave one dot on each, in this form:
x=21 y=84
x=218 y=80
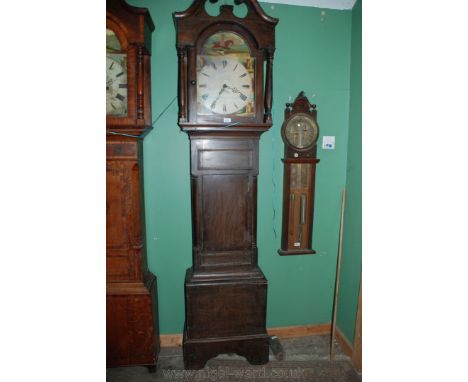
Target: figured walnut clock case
x=225 y=95
x=300 y=133
x=132 y=317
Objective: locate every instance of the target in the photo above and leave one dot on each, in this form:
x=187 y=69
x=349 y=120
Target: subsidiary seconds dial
x=224 y=86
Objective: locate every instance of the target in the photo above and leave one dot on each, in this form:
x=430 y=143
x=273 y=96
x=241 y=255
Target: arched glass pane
x=112 y=41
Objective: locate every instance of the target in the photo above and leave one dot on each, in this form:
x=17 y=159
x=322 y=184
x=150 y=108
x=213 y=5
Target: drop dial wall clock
x=300 y=133
x=225 y=94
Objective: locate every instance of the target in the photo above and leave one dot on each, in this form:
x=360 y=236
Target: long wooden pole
x=337 y=281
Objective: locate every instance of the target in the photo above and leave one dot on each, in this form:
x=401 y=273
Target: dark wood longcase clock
x=225 y=96
x=300 y=133
x=131 y=293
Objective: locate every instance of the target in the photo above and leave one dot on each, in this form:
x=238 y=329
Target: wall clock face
x=301 y=131
x=225 y=77
x=116 y=77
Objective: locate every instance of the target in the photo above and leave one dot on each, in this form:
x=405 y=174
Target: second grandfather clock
x=225 y=97
x=132 y=330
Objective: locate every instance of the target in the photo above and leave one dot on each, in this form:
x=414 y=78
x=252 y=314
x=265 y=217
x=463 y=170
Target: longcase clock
x=132 y=316
x=300 y=133
x=225 y=96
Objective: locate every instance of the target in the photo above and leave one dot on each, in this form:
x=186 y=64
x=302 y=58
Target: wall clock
x=300 y=133
x=132 y=317
x=225 y=97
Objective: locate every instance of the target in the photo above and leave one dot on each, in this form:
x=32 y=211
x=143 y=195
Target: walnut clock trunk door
x=224 y=106
x=131 y=289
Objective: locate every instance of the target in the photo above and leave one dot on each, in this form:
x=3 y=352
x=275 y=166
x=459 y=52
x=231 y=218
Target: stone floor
x=306 y=359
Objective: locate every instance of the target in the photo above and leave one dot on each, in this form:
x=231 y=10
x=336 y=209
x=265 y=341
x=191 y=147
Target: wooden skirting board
x=344 y=343
x=300 y=331
x=281 y=332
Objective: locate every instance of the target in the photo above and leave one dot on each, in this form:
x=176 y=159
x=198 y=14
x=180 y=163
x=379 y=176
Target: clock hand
x=234 y=90
x=222 y=89
x=221 y=92
x=219 y=95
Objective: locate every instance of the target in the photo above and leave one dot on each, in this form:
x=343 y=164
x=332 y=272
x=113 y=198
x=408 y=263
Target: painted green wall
x=313 y=54
x=352 y=243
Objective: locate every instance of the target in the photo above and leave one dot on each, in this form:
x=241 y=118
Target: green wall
x=313 y=54
x=352 y=243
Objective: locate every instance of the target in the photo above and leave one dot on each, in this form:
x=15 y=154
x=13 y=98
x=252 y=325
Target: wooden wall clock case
x=225 y=96
x=300 y=133
x=131 y=289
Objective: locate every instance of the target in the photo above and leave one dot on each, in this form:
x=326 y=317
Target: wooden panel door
x=123 y=215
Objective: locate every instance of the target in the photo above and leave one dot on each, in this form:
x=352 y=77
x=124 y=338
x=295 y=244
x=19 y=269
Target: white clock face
x=116 y=85
x=224 y=86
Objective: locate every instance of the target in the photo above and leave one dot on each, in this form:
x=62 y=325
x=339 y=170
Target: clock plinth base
x=132 y=326
x=225 y=316
x=198 y=352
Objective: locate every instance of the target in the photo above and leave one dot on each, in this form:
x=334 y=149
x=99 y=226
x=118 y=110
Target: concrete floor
x=306 y=359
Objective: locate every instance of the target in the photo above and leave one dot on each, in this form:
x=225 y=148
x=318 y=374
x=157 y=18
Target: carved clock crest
x=225 y=97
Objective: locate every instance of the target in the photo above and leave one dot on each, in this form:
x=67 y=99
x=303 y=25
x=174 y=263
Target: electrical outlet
x=328 y=142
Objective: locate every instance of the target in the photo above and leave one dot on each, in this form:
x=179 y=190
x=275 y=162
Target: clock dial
x=301 y=131
x=116 y=85
x=225 y=77
x=224 y=86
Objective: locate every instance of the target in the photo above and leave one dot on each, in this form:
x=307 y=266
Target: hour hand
x=213 y=105
x=234 y=90
x=220 y=92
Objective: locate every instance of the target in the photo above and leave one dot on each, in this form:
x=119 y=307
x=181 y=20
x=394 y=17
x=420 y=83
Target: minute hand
x=219 y=95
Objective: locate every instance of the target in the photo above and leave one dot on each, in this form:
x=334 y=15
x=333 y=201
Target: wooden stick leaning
x=337 y=281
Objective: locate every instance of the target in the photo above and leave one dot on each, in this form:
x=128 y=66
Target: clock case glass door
x=126 y=56
x=227 y=78
x=116 y=77
x=301 y=131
